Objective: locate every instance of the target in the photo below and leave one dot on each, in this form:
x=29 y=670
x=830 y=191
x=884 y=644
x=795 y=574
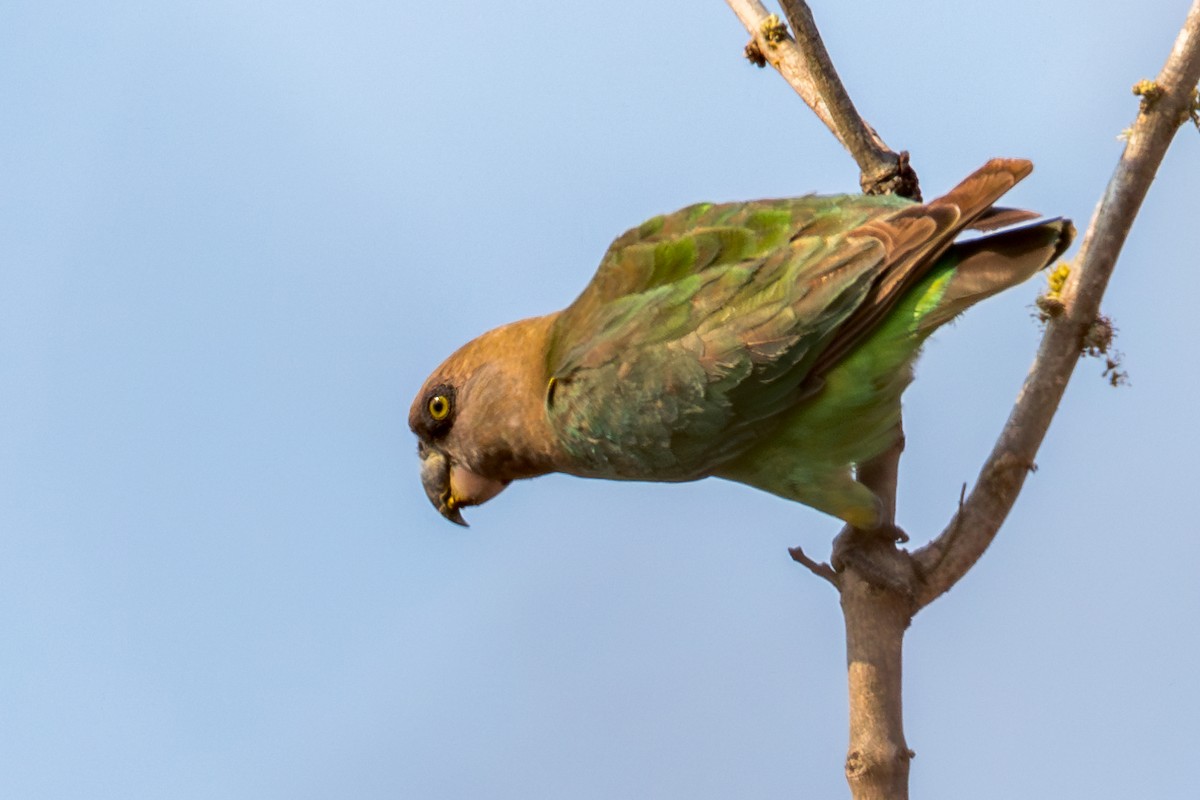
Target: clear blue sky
x=235 y=237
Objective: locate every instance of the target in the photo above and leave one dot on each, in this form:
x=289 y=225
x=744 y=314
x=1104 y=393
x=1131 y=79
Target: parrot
x=765 y=342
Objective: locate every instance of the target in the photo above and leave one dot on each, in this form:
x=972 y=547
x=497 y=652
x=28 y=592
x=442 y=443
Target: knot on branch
x=1097 y=343
x=1099 y=336
x=1150 y=92
x=774 y=30
x=874 y=557
x=886 y=761
x=1050 y=304
x=754 y=54
x=897 y=177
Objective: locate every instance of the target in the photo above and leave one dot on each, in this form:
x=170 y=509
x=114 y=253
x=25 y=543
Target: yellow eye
x=439 y=407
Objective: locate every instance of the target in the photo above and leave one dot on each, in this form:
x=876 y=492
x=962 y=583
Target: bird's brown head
x=480 y=418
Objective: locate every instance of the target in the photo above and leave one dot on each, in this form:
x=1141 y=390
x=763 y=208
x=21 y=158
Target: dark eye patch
x=437 y=398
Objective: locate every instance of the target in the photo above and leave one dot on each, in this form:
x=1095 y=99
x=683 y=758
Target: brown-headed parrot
x=766 y=342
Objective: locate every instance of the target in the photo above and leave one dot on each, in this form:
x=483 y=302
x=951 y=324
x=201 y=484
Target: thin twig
x=805 y=65
x=948 y=557
x=820 y=569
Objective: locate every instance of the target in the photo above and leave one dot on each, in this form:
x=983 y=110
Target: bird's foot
x=873 y=555
x=851 y=538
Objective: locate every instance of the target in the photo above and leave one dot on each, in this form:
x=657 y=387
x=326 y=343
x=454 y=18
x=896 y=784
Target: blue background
x=234 y=239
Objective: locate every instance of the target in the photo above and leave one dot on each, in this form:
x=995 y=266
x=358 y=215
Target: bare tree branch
x=878 y=757
x=805 y=65
x=1166 y=105
x=821 y=570
x=882 y=587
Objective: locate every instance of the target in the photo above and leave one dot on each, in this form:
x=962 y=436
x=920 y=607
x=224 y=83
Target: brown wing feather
x=913 y=240
x=997 y=217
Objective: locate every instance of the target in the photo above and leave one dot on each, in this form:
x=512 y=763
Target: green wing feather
x=769 y=342
x=698 y=327
x=810 y=456
x=855 y=418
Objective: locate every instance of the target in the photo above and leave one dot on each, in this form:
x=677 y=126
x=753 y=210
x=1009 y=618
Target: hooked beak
x=450 y=486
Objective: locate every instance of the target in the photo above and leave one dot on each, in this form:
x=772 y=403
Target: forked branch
x=877 y=612
x=805 y=65
x=1166 y=105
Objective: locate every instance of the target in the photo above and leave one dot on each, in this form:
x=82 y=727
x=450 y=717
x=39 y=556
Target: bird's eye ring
x=439 y=407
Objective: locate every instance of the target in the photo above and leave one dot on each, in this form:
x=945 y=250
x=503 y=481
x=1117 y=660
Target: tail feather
x=993 y=263
x=916 y=238
x=998 y=217
x=971 y=200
